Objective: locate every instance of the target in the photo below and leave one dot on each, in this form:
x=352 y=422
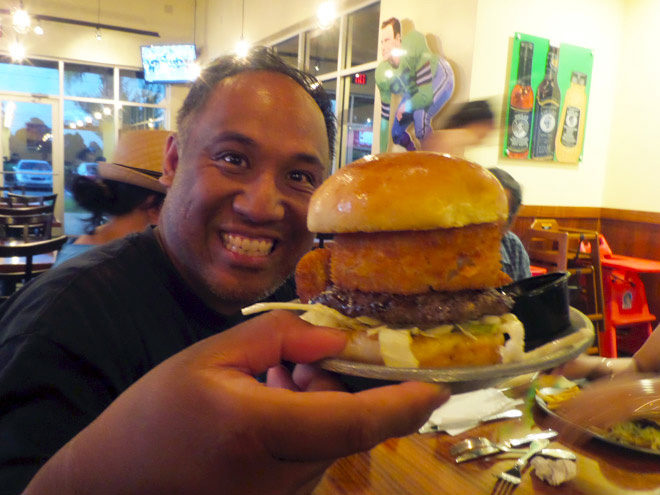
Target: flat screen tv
x=169 y=63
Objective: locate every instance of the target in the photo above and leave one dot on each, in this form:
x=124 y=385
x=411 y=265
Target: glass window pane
x=363 y=35
x=323 y=49
x=358 y=125
x=133 y=87
x=34 y=76
x=88 y=138
x=142 y=117
x=27 y=151
x=330 y=87
x=288 y=50
x=88 y=81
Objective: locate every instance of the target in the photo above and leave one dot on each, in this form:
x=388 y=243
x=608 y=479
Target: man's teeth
x=245 y=245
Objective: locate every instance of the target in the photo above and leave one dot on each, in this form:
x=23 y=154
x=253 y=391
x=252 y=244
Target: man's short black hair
x=511 y=185
x=467 y=113
x=259 y=58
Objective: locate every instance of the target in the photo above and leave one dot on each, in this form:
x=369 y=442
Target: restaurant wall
x=633 y=168
x=592 y=24
x=173 y=20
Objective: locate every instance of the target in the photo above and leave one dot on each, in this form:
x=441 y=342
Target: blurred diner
x=124 y=195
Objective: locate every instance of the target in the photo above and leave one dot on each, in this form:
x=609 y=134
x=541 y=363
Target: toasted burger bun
x=413 y=264
x=406 y=191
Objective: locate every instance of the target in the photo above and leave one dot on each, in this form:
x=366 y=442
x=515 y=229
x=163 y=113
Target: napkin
x=463 y=412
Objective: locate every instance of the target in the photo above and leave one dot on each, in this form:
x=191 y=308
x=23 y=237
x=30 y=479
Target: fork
x=508 y=480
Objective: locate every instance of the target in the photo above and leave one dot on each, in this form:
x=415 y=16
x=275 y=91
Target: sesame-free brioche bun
x=414 y=190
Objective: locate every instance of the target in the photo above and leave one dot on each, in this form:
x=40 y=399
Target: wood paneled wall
x=630 y=233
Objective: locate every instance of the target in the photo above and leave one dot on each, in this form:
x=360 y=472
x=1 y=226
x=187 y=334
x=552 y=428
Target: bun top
x=414 y=190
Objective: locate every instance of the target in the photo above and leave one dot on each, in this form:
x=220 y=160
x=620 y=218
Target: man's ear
x=170 y=161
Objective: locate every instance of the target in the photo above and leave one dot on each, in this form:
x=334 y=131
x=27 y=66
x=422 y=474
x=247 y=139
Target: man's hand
x=201 y=423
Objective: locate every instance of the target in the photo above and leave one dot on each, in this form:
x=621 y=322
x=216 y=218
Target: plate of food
x=413 y=274
x=639 y=434
x=547 y=356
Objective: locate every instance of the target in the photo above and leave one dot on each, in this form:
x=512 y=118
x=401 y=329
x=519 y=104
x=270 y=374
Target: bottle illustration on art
x=570 y=135
x=546 y=111
x=521 y=104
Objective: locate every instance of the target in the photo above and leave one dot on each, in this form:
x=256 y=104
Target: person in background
x=130 y=368
x=467 y=126
x=125 y=196
x=515 y=260
x=645 y=360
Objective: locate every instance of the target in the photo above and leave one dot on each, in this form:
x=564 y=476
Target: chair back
x=36 y=226
x=577 y=251
x=28 y=250
x=26 y=210
x=16 y=200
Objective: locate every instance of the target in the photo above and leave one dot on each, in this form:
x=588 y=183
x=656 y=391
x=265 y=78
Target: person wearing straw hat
x=126 y=195
x=130 y=368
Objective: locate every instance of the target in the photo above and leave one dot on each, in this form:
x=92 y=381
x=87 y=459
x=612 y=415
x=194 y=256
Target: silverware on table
x=474 y=448
x=512 y=477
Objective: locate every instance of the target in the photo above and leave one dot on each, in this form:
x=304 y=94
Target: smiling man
x=119 y=372
x=234 y=220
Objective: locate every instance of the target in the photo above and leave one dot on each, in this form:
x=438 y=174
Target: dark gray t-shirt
x=77 y=336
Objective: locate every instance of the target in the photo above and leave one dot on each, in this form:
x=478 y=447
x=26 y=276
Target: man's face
x=388 y=42
x=234 y=220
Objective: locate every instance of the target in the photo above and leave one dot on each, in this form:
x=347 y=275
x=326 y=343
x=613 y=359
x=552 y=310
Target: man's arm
x=200 y=423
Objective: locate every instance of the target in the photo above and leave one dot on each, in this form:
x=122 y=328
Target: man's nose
x=261 y=200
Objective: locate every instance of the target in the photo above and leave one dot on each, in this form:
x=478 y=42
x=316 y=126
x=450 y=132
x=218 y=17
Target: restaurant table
x=421 y=465
x=15 y=264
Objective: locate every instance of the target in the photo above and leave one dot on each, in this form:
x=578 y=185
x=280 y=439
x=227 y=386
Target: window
x=288 y=50
x=355 y=37
x=93 y=103
x=133 y=87
x=323 y=53
x=37 y=76
x=363 y=27
x=135 y=117
x=88 y=81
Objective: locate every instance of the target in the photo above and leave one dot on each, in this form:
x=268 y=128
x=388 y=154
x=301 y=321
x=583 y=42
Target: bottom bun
x=448 y=351
x=490 y=340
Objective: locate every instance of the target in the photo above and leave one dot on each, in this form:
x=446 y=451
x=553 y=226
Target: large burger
x=414 y=263
x=415 y=257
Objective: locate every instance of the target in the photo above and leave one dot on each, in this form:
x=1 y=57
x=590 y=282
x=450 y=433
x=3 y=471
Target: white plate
x=473 y=377
x=542 y=404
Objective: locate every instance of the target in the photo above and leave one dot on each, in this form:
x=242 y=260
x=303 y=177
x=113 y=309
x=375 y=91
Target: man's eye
x=235 y=159
x=304 y=178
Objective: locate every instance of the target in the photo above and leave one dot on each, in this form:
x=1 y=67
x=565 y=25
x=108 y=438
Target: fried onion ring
x=414 y=262
x=313 y=274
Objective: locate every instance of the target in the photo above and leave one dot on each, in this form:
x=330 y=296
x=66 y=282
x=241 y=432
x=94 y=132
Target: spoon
x=473 y=448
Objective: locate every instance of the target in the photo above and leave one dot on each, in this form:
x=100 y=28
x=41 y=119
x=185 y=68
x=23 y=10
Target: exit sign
x=360 y=78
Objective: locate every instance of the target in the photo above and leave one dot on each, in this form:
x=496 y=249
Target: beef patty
x=420 y=310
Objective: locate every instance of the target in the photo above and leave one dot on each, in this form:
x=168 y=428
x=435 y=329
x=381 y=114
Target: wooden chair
x=27 y=227
x=26 y=271
x=561 y=249
x=16 y=200
x=26 y=210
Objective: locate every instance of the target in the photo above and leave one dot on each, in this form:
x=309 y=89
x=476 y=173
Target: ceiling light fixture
x=242 y=46
x=99 y=37
x=38 y=30
x=20 y=19
x=326 y=14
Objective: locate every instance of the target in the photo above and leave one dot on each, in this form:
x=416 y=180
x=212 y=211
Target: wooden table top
x=14 y=264
x=421 y=465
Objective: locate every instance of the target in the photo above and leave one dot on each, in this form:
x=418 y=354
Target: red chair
x=628 y=321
